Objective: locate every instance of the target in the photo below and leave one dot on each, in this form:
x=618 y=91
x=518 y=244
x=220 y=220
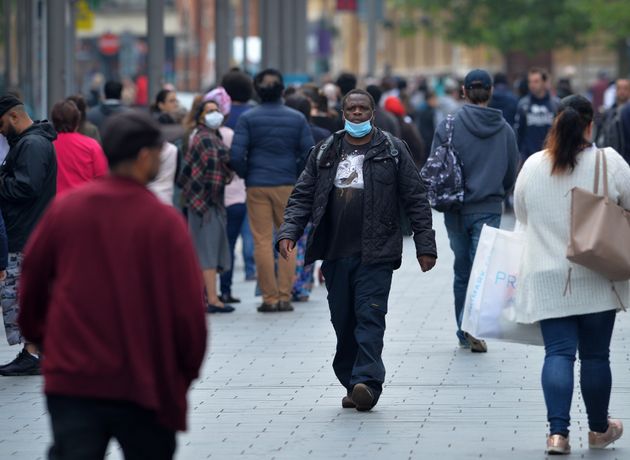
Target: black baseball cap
x=478 y=78
x=7 y=102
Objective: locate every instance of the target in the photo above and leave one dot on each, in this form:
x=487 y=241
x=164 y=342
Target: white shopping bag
x=489 y=308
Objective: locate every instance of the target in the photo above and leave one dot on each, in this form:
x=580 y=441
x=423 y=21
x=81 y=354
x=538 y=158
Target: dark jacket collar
x=376 y=143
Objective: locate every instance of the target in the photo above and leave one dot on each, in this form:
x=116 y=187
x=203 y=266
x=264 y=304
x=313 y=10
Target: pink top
x=79 y=160
x=235 y=191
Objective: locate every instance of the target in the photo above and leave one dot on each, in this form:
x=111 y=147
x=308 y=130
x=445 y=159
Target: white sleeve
x=520 y=208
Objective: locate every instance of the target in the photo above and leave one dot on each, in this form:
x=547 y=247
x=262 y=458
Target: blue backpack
x=443 y=175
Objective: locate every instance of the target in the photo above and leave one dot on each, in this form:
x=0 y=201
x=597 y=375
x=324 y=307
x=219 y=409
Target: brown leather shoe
x=362 y=397
x=267 y=308
x=348 y=403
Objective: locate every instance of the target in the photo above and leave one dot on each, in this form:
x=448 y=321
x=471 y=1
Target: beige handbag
x=600 y=230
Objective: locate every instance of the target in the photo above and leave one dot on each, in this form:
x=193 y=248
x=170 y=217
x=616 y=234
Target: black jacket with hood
x=391 y=182
x=486 y=145
x=28 y=181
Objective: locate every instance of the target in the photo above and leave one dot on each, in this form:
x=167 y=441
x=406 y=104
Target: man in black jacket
x=28 y=182
x=353 y=188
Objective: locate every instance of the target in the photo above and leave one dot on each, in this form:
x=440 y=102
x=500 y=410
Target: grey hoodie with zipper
x=487 y=148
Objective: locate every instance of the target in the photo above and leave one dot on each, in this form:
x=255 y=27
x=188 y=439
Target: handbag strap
x=600 y=155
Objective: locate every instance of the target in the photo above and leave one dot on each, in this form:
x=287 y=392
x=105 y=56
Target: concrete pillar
x=56 y=51
x=301 y=31
x=6 y=24
x=270 y=33
x=222 y=40
x=245 y=32
x=372 y=37
x=287 y=36
x=26 y=49
x=71 y=37
x=283 y=31
x=155 y=58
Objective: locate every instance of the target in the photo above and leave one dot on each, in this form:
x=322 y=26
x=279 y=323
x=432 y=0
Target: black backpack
x=443 y=175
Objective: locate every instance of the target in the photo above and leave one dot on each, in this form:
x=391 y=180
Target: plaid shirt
x=205 y=171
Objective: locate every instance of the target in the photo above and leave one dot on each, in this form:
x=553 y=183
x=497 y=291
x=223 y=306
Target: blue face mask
x=358 y=129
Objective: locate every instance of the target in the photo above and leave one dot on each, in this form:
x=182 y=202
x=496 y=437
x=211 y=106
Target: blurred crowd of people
x=409 y=109
x=253 y=158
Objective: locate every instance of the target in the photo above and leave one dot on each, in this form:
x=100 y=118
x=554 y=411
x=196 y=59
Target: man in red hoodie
x=111 y=291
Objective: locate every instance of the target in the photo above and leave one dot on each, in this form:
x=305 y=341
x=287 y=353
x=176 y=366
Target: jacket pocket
x=384 y=170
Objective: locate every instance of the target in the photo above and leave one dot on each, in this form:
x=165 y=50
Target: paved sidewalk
x=268 y=390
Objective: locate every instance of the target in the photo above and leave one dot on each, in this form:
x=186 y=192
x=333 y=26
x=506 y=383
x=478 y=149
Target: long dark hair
x=160 y=98
x=566 y=136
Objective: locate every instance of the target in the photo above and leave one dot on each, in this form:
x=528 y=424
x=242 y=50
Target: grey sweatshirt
x=487 y=148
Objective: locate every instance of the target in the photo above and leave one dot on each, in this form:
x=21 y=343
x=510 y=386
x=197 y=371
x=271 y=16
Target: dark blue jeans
x=463 y=235
x=590 y=334
x=236 y=214
x=248 y=248
x=357 y=297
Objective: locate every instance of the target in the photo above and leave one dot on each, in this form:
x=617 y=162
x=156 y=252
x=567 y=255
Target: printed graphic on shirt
x=539 y=115
x=350 y=172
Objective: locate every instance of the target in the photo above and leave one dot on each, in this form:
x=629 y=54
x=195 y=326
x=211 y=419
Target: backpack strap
x=393 y=151
x=323 y=148
x=450 y=126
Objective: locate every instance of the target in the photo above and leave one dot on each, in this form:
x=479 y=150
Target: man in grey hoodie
x=489 y=154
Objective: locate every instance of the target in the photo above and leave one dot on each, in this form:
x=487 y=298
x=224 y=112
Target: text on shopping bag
x=504 y=278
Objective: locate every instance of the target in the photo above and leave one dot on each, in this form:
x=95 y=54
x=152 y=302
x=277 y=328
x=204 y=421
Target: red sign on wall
x=346 y=5
x=109 y=44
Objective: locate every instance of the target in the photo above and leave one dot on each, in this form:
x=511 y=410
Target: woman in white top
x=164 y=184
x=576 y=307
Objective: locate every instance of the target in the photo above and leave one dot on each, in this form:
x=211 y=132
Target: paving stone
x=268 y=392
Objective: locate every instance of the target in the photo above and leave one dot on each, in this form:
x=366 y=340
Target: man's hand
x=3 y=275
x=426 y=262
x=286 y=248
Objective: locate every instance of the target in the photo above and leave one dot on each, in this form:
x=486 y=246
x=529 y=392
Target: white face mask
x=213 y=119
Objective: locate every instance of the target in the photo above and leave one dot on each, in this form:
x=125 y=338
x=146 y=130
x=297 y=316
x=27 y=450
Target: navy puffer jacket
x=270 y=146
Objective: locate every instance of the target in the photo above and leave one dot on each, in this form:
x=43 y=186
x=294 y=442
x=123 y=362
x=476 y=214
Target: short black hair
x=500 y=78
x=361 y=92
x=238 y=85
x=346 y=82
x=300 y=103
x=263 y=73
x=126 y=133
x=375 y=92
x=113 y=89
